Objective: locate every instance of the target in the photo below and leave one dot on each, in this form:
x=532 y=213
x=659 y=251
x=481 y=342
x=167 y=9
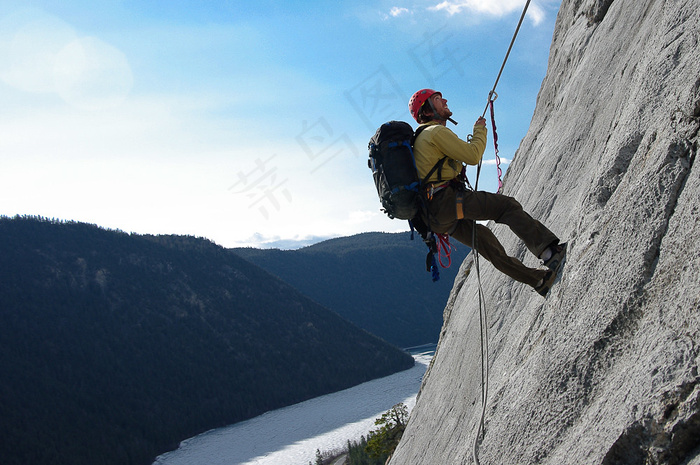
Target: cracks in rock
x=680 y=157
x=681 y=153
x=591 y=365
x=666 y=439
x=608 y=183
x=671 y=437
x=597 y=11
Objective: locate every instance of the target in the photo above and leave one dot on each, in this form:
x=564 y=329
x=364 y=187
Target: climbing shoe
x=547 y=282
x=558 y=255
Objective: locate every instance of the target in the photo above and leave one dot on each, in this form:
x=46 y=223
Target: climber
x=453 y=209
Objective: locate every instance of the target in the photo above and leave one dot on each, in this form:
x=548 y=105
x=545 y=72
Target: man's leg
x=506 y=210
x=491 y=249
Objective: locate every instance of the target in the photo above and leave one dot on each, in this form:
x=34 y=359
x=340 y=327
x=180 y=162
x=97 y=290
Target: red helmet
x=418 y=99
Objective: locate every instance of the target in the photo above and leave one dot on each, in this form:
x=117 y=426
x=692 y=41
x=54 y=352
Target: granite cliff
x=605 y=369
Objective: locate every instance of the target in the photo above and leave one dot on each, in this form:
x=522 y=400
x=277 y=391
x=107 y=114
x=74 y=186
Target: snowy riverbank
x=291 y=435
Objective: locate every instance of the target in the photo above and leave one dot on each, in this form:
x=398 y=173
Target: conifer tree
x=382 y=442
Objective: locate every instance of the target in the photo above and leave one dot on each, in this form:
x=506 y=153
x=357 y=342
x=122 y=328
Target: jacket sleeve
x=467 y=152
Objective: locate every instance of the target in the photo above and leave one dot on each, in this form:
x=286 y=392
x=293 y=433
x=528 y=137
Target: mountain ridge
x=376 y=280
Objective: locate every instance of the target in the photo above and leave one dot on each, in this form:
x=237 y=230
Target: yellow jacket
x=437 y=141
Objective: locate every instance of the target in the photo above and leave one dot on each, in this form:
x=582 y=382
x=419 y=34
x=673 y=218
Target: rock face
x=605 y=369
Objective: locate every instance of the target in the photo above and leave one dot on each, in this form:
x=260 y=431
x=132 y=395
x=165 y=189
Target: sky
x=246 y=123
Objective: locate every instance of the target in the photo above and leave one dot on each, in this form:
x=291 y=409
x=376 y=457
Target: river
x=291 y=435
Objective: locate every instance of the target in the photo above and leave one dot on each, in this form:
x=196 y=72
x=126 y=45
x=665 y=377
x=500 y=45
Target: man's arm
x=467 y=152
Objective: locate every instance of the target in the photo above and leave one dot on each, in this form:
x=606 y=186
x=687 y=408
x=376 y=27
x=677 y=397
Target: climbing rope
x=517 y=29
x=483 y=322
x=484 y=338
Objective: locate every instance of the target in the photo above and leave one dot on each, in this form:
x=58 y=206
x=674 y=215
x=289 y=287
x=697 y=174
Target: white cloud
x=491 y=7
x=261 y=241
x=398 y=11
x=492 y=161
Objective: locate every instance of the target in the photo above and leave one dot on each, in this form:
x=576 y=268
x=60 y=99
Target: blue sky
x=243 y=122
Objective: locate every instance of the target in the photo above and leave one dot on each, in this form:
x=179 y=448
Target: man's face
x=440 y=105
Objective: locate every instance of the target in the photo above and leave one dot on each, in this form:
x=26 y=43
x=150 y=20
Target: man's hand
x=480 y=122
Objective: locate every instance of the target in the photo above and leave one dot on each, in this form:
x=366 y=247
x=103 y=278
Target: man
x=453 y=209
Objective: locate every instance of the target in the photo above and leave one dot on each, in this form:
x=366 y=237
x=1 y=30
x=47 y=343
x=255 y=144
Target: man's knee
x=508 y=205
x=511 y=203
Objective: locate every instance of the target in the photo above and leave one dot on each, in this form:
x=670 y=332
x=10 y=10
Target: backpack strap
x=419 y=129
x=438 y=166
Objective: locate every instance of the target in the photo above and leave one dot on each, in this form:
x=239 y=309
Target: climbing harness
x=483 y=323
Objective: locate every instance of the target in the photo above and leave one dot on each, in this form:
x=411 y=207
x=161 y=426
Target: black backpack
x=396 y=179
x=394 y=169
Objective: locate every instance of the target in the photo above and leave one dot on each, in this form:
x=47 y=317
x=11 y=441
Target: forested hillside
x=114 y=346
x=376 y=280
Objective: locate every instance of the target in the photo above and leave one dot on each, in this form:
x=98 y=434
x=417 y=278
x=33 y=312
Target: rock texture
x=605 y=370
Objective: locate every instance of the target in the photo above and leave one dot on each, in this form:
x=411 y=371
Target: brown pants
x=499 y=208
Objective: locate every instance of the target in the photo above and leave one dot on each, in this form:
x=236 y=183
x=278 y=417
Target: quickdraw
x=444 y=249
x=439 y=244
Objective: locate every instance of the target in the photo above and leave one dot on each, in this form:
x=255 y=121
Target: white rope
x=484 y=339
x=483 y=322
